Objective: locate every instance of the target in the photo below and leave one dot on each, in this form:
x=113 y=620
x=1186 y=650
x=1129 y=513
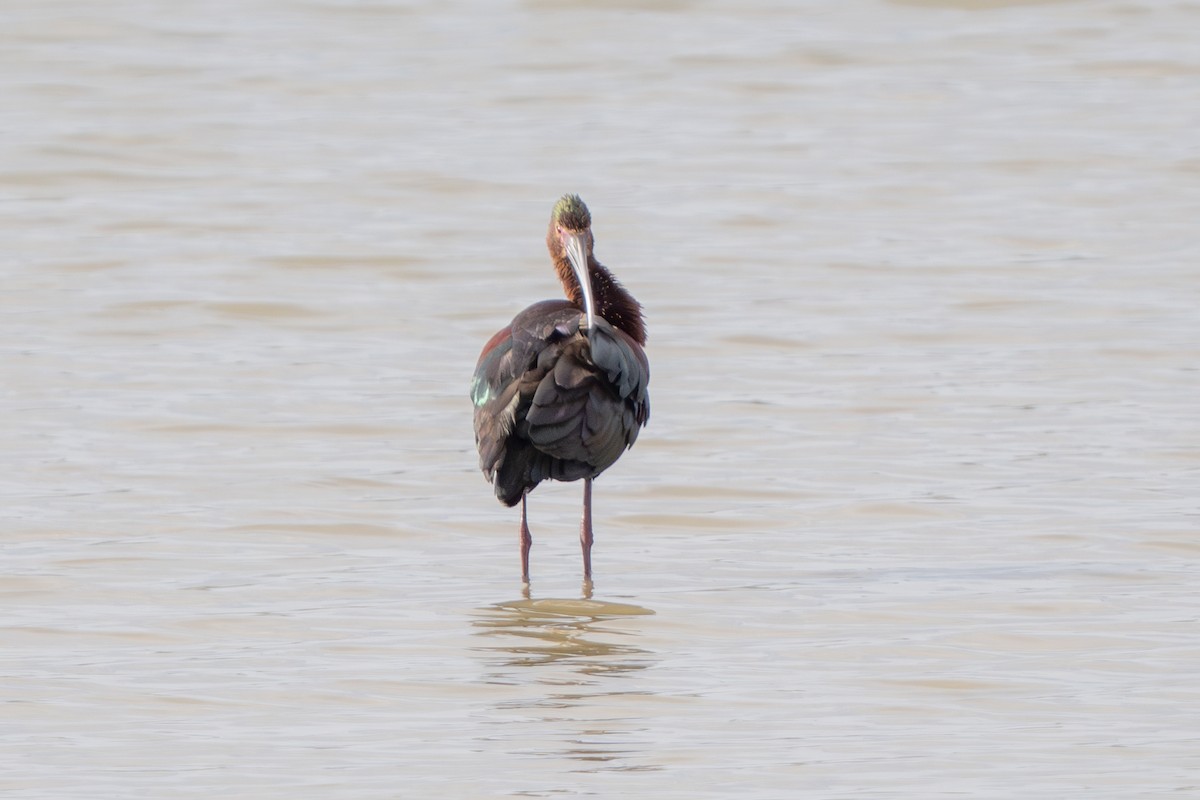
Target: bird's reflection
x=564 y=665
x=548 y=631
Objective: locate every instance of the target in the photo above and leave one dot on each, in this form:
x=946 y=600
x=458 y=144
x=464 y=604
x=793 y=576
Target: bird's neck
x=612 y=301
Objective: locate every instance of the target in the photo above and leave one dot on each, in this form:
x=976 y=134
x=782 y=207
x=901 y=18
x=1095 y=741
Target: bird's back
x=555 y=402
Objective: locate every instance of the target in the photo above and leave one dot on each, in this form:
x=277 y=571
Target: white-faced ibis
x=560 y=392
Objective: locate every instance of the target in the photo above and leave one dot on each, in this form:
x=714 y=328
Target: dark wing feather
x=554 y=403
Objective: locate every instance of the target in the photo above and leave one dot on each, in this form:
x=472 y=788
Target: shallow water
x=916 y=512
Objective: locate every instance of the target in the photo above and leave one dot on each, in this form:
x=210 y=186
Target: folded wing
x=553 y=402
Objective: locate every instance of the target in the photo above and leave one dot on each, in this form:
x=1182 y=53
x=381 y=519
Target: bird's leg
x=585 y=535
x=526 y=543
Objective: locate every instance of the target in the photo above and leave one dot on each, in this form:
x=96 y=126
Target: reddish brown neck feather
x=613 y=301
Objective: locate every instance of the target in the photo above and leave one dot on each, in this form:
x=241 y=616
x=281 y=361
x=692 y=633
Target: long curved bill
x=577 y=255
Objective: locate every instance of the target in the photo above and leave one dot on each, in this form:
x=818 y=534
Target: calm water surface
x=916 y=513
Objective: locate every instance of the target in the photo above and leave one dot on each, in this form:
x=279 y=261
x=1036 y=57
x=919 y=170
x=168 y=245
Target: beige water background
x=917 y=510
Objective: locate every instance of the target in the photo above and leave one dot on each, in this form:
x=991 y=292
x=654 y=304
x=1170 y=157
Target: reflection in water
x=553 y=630
x=587 y=640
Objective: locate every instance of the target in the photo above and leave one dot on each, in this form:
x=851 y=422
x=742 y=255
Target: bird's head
x=570 y=240
x=571 y=214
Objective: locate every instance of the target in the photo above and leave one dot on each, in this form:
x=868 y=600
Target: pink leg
x=585 y=531
x=526 y=543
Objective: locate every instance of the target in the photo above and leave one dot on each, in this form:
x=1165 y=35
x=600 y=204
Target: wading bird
x=560 y=392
